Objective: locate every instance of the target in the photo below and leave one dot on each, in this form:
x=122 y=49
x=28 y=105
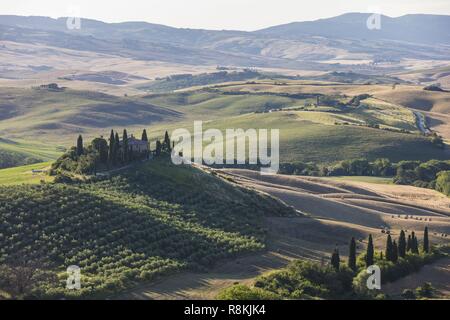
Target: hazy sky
x=218 y=14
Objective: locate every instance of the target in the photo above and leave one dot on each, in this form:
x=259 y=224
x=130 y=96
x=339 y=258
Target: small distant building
x=36 y=171
x=51 y=87
x=137 y=145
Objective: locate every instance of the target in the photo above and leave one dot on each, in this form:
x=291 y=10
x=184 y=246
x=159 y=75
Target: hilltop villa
x=137 y=145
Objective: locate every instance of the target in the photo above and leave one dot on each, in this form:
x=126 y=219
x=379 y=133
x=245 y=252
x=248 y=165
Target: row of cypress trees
x=121 y=153
x=394 y=250
x=115 y=153
x=163 y=147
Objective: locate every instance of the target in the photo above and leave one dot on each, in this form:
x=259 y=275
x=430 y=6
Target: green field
x=308 y=141
x=322 y=134
x=32 y=149
x=316 y=134
x=25 y=175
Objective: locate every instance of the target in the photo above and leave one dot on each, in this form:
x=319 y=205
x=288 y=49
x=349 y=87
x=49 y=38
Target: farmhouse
x=137 y=145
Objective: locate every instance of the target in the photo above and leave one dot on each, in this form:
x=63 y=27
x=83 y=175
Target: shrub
x=434 y=87
x=443 y=182
x=242 y=292
x=408 y=294
x=425 y=291
x=303 y=279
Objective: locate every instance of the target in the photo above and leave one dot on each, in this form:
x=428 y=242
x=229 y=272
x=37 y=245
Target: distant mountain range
x=415 y=28
x=295 y=45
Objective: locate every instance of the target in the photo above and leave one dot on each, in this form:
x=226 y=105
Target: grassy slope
x=195 y=104
x=305 y=135
x=405 y=95
x=24 y=174
x=58 y=116
x=306 y=140
x=19 y=152
x=32 y=149
x=145 y=222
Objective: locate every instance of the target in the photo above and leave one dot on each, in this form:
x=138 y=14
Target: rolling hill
x=429 y=28
x=324 y=134
x=435 y=105
x=379 y=127
x=335 y=90
x=335 y=211
x=57 y=116
x=131 y=227
x=300 y=45
x=19 y=153
x=309 y=138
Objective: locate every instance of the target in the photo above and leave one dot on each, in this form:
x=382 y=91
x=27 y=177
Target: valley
x=364 y=120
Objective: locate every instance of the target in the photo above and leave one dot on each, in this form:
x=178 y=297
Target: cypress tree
x=415 y=244
x=144 y=136
x=125 y=146
x=335 y=260
x=409 y=244
x=402 y=244
x=394 y=252
x=352 y=255
x=80 y=149
x=101 y=146
x=112 y=146
x=426 y=242
x=158 y=148
x=369 y=252
x=117 y=148
x=389 y=248
x=167 y=146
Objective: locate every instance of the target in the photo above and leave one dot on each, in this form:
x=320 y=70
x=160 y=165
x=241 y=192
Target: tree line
x=394 y=250
x=433 y=174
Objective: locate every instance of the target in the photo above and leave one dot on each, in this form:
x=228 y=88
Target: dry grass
x=437 y=273
x=64 y=62
x=337 y=211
